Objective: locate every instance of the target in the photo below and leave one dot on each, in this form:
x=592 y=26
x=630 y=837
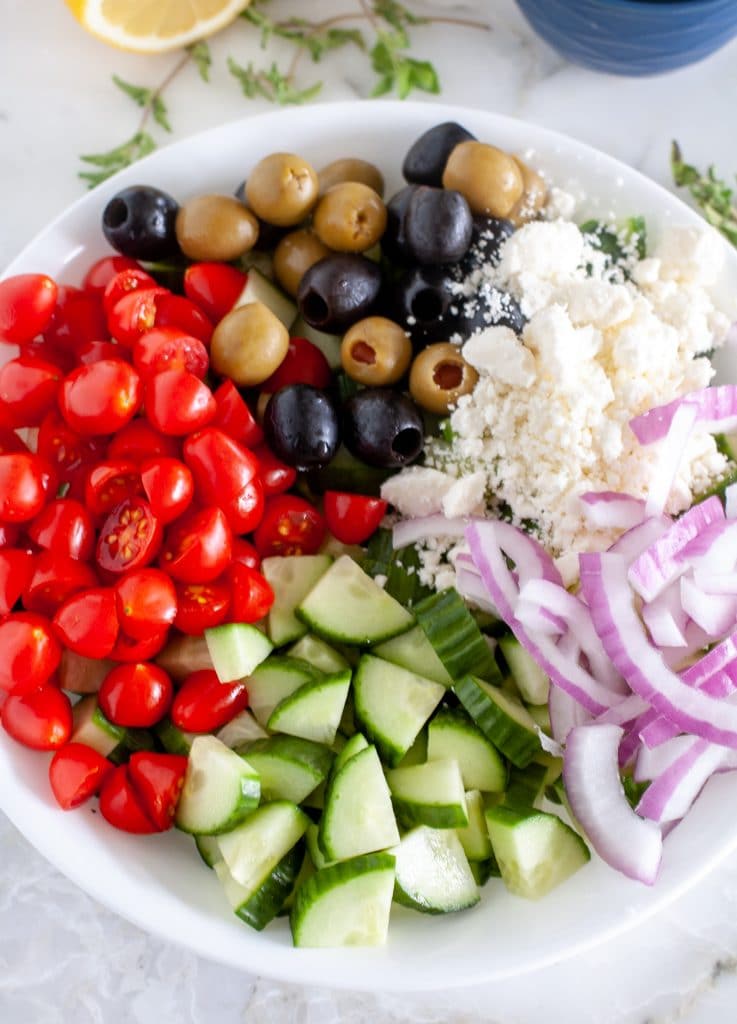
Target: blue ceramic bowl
x=633 y=37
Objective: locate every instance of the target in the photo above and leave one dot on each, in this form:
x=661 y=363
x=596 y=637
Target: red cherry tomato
x=146 y=603
x=41 y=719
x=10 y=442
x=23 y=487
x=203 y=703
x=158 y=781
x=276 y=477
x=101 y=273
x=201 y=606
x=123 y=283
x=214 y=287
x=16 y=568
x=76 y=773
x=30 y=652
x=87 y=622
x=121 y=806
x=109 y=483
x=246 y=553
x=101 y=398
x=290 y=526
x=93 y=351
x=64 y=525
x=176 y=311
x=28 y=387
x=127 y=649
x=234 y=417
x=129 y=538
x=27 y=302
x=304 y=363
x=133 y=314
x=137 y=695
x=138 y=441
x=169 y=348
x=251 y=594
x=169 y=487
x=197 y=548
x=352 y=518
x=178 y=403
x=67 y=451
x=226 y=474
x=55 y=577
x=78 y=318
x=8 y=535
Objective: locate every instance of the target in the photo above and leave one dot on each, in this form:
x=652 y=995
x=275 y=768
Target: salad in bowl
x=369 y=545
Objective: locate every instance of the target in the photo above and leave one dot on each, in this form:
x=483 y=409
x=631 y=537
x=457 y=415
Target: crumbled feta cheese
x=561 y=205
x=597 y=303
x=466 y=496
x=691 y=254
x=499 y=352
x=417 y=491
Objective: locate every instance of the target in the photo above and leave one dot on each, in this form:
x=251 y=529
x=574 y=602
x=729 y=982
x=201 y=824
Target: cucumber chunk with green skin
x=417 y=753
x=259 y=288
x=173 y=739
x=540 y=714
x=452 y=734
x=241 y=729
x=502 y=719
x=455 y=637
x=345 y=904
x=314 y=710
x=313 y=848
x=289 y=768
x=429 y=794
x=532 y=683
x=358 y=816
x=291 y=578
x=535 y=851
x=315 y=651
x=91 y=727
x=413 y=651
x=432 y=872
x=353 y=746
x=254 y=848
x=236 y=648
x=526 y=786
x=346 y=606
x=261 y=901
x=208 y=849
x=483 y=870
x=220 y=789
x=275 y=679
x=307 y=870
x=474 y=836
x=392 y=705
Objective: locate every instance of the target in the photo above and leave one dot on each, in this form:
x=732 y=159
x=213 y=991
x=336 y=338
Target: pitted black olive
x=438 y=226
x=339 y=290
x=301 y=426
x=393 y=241
x=383 y=427
x=425 y=162
x=139 y=221
x=426 y=307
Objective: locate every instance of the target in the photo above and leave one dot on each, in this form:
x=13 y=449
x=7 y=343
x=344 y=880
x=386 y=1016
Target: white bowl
x=159 y=882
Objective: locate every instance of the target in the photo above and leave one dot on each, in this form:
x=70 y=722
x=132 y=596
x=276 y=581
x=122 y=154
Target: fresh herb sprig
x=713 y=196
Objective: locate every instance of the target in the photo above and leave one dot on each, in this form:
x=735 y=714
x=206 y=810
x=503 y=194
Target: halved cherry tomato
x=78 y=318
x=87 y=622
x=23 y=486
x=304 y=363
x=101 y=273
x=226 y=474
x=93 y=351
x=27 y=303
x=40 y=719
x=138 y=441
x=64 y=525
x=30 y=652
x=76 y=773
x=201 y=606
x=10 y=442
x=9 y=535
x=138 y=694
x=169 y=487
x=129 y=538
x=128 y=650
x=234 y=417
x=178 y=403
x=123 y=283
x=67 y=451
x=146 y=602
x=101 y=398
x=176 y=311
x=134 y=313
x=275 y=476
x=109 y=483
x=214 y=287
x=203 y=703
x=197 y=548
x=28 y=387
x=55 y=577
x=251 y=594
x=169 y=348
x=352 y=518
x=16 y=568
x=290 y=526
x=246 y=553
x=121 y=806
x=158 y=780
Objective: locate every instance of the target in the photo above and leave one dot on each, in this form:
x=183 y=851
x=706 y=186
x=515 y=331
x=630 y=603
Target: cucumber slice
x=353 y=746
x=254 y=849
x=532 y=683
x=474 y=837
x=220 y=789
x=329 y=344
x=541 y=716
x=483 y=870
x=454 y=636
x=275 y=679
x=315 y=651
x=429 y=794
x=240 y=730
x=358 y=816
x=346 y=904
x=260 y=901
x=535 y=851
x=346 y=605
x=259 y=289
x=292 y=577
x=392 y=704
x=314 y=710
x=289 y=768
x=174 y=740
x=317 y=857
x=413 y=651
x=208 y=849
x=417 y=753
x=553 y=767
x=315 y=801
x=432 y=872
x=236 y=649
x=307 y=870
x=345 y=472
x=452 y=734
x=501 y=718
x=526 y=786
x=335 y=548
x=92 y=728
x=184 y=655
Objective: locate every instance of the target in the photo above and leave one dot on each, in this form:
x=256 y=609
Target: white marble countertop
x=62 y=956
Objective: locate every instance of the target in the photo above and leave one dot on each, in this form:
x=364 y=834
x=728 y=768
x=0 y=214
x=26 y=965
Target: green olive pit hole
x=448 y=376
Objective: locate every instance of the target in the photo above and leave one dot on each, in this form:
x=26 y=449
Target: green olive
x=489 y=178
x=439 y=376
x=534 y=196
x=350 y=217
x=294 y=255
x=248 y=344
x=376 y=351
x=215 y=228
x=351 y=169
x=282 y=189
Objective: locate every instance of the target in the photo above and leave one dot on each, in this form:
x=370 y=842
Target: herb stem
x=161 y=88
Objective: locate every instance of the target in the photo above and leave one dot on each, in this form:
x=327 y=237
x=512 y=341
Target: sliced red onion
x=627 y=842
x=713 y=549
x=670 y=457
x=714 y=613
x=631 y=742
x=410 y=531
x=530 y=558
x=653 y=761
x=657 y=732
x=730 y=501
x=625 y=712
x=715 y=582
x=537 y=619
x=632 y=543
x=665 y=618
x=565 y=713
x=670 y=795
x=611 y=510
x=716 y=409
x=470 y=586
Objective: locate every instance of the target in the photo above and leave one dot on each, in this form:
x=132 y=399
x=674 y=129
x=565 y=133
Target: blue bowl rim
x=655 y=5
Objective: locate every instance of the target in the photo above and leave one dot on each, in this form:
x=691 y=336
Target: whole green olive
x=534 y=196
x=350 y=217
x=248 y=344
x=489 y=178
x=376 y=351
x=351 y=168
x=215 y=228
x=294 y=255
x=282 y=189
x=439 y=376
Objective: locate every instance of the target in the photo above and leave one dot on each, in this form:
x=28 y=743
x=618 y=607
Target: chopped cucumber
x=236 y=649
x=532 y=683
x=260 y=901
x=275 y=679
x=429 y=794
x=358 y=816
x=412 y=650
x=220 y=789
x=526 y=785
x=345 y=904
x=92 y=728
x=535 y=851
x=392 y=704
x=306 y=871
x=173 y=739
x=184 y=655
x=417 y=753
x=540 y=714
x=329 y=344
x=240 y=730
x=452 y=734
x=314 y=710
x=208 y=849
x=353 y=746
x=455 y=637
x=312 y=649
x=501 y=718
x=312 y=840
x=259 y=289
x=347 y=606
x=289 y=768
x=474 y=836
x=292 y=577
x=432 y=872
x=345 y=472
x=255 y=848
x=483 y=870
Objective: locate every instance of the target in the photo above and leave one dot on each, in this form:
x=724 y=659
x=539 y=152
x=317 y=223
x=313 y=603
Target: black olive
x=487 y=240
x=139 y=222
x=338 y=291
x=425 y=162
x=438 y=225
x=426 y=307
x=383 y=428
x=301 y=426
x=488 y=307
x=393 y=241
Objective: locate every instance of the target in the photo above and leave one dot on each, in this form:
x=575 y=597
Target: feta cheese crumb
x=499 y=352
x=466 y=496
x=417 y=491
